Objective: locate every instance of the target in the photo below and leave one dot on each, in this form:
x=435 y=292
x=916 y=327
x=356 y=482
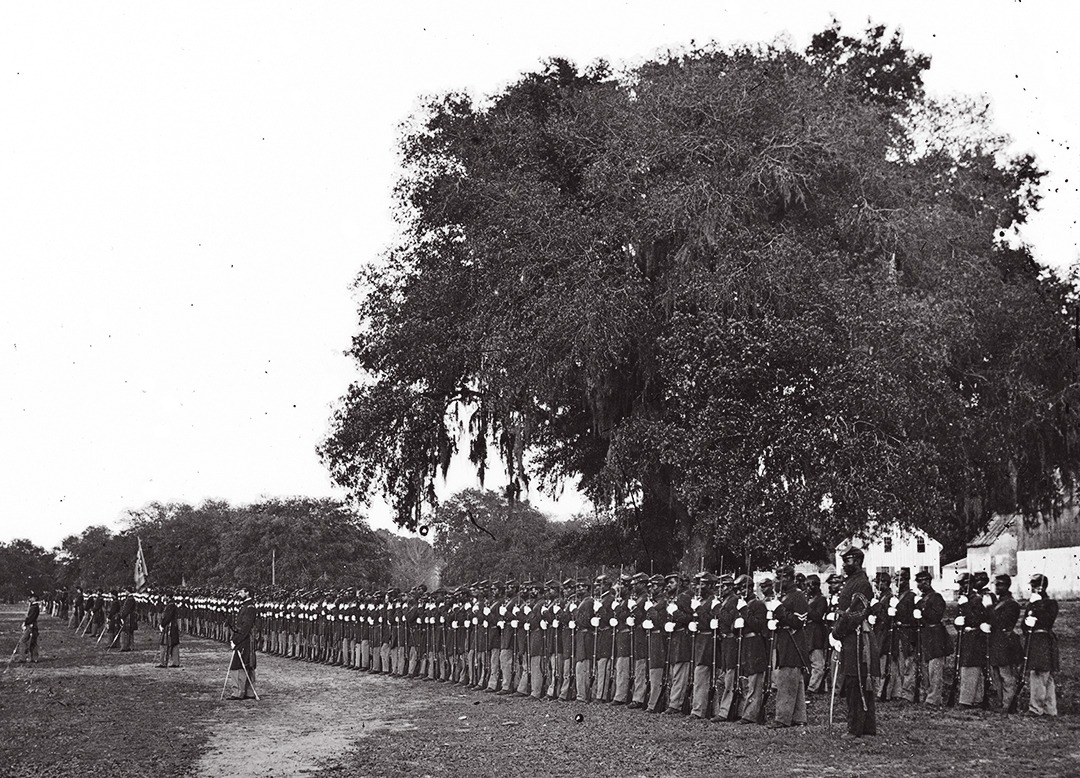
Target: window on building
x=925 y=569
x=920 y=545
x=888 y=544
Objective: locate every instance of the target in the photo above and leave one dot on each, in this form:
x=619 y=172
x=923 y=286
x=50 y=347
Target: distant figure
x=170 y=634
x=243 y=657
x=28 y=643
x=129 y=620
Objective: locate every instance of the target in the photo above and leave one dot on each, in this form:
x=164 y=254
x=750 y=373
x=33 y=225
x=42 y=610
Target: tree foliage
x=299 y=542
x=25 y=568
x=746 y=298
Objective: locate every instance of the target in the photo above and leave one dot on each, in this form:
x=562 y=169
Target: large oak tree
x=745 y=298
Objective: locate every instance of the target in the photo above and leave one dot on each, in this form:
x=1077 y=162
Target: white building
x=888 y=548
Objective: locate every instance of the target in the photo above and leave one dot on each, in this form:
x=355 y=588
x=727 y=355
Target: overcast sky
x=188 y=189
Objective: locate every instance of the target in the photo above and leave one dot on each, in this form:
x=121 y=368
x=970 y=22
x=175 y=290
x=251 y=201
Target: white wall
x=1060 y=565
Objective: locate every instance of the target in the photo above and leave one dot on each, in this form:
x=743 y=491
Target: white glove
x=630 y=621
x=419 y=621
x=513 y=623
x=1031 y=621
x=959 y=621
x=1035 y=597
x=984 y=627
x=740 y=604
x=555 y=622
x=892 y=611
x=872 y=619
x=453 y=624
x=485 y=623
x=739 y=623
x=830 y=616
x=500 y=624
x=917 y=614
x=894 y=601
x=961 y=600
x=987 y=600
x=672 y=607
x=487 y=611
x=647 y=624
x=772 y=605
x=835 y=643
x=694 y=602
x=594 y=621
x=543 y=624
x=475 y=621
x=572 y=624
x=669 y=627
x=527 y=610
x=772 y=624
x=613 y=622
x=557 y=608
x=714 y=624
x=631 y=603
x=649 y=604
x=502 y=610
x=692 y=626
x=527 y=626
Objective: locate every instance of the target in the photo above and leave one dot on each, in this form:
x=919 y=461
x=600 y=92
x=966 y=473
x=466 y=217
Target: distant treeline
x=320 y=543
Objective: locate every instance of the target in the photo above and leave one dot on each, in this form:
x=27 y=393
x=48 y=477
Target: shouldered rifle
x=890 y=637
x=1014 y=703
x=988 y=686
x=767 y=682
x=737 y=692
x=954 y=686
x=710 y=706
x=918 y=661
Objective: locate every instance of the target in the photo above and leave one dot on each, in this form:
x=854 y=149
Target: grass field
x=83 y=711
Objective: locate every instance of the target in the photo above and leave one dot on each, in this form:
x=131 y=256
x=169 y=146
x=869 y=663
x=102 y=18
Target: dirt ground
x=82 y=710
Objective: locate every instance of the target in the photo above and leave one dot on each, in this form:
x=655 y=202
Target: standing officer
x=242 y=666
x=858 y=656
x=818 y=606
x=170 y=633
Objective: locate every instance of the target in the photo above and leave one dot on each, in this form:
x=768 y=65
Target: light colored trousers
x=933 y=678
x=680 y=680
x=817 y=668
x=622 y=679
x=971 y=686
x=702 y=685
x=1043 y=700
x=790 y=696
x=641 y=680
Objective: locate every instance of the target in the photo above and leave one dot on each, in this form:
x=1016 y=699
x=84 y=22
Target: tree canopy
x=746 y=298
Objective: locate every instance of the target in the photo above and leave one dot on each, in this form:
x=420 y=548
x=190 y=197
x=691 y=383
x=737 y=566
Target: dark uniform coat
x=1005 y=647
x=936 y=642
x=170 y=628
x=792 y=640
x=243 y=624
x=853 y=608
x=1043 y=652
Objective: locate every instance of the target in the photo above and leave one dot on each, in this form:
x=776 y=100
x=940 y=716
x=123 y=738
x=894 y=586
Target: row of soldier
x=709 y=646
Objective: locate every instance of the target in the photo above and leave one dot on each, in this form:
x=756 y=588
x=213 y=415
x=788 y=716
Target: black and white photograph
x=477 y=389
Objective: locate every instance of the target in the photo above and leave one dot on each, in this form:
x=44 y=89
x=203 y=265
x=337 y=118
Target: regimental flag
x=140 y=569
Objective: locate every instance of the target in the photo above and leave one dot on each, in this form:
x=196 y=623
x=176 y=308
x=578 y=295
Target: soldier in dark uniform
x=883 y=624
x=28 y=642
x=702 y=643
x=858 y=656
x=604 y=635
x=818 y=605
x=905 y=629
x=933 y=638
x=639 y=647
x=624 y=633
x=974 y=657
x=1043 y=659
x=129 y=621
x=679 y=615
x=750 y=627
x=169 y=627
x=241 y=642
x=1004 y=647
x=564 y=622
x=584 y=640
x=78 y=609
x=654 y=621
x=792 y=644
x=725 y=615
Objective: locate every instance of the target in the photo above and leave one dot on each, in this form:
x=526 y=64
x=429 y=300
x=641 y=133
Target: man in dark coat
x=680 y=613
x=640 y=637
x=243 y=648
x=750 y=626
x=792 y=647
x=584 y=641
x=818 y=605
x=129 y=620
x=1004 y=644
x=974 y=620
x=858 y=655
x=1042 y=648
x=654 y=621
x=933 y=638
x=170 y=634
x=28 y=642
x=704 y=653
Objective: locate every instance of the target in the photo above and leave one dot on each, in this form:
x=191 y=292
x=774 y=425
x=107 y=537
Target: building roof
x=997 y=527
